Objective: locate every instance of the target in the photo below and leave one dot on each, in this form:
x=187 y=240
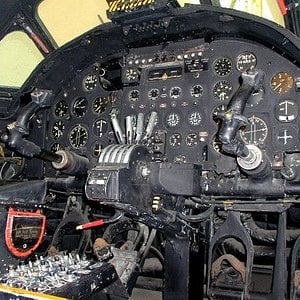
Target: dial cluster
x=189 y=86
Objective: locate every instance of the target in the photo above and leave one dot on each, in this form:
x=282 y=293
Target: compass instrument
x=255 y=132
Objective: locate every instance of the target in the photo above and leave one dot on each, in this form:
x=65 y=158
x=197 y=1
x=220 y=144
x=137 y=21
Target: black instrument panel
x=187 y=84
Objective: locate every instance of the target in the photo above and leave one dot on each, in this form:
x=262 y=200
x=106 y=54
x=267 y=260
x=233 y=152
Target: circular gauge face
x=175 y=140
x=173 y=119
x=218 y=112
x=255 y=98
x=191 y=139
x=222 y=66
x=246 y=61
x=153 y=94
x=97 y=148
x=58 y=129
x=99 y=105
x=100 y=127
x=61 y=109
x=133 y=95
x=78 y=136
x=194 y=118
x=286 y=137
x=79 y=107
x=222 y=90
x=196 y=91
x=131 y=74
x=89 y=82
x=55 y=147
x=282 y=83
x=255 y=132
x=286 y=111
x=175 y=92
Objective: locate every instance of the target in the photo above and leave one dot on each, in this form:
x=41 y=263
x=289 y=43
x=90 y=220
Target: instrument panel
x=187 y=84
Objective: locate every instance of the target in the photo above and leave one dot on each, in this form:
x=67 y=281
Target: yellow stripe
x=33 y=295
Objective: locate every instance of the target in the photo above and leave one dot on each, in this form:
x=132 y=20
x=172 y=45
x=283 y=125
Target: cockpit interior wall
x=159 y=150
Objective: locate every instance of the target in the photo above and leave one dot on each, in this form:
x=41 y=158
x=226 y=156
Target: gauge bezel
x=95 y=124
x=78 y=126
x=84 y=82
x=260 y=141
x=84 y=110
x=221 y=60
x=100 y=105
x=252 y=65
x=61 y=124
x=281 y=86
x=66 y=107
x=225 y=83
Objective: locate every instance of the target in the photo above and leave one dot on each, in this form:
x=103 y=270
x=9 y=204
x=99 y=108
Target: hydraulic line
x=199 y=217
x=265 y=235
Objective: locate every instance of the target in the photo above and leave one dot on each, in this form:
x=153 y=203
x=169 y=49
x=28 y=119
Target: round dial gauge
x=175 y=140
x=222 y=66
x=255 y=98
x=194 y=118
x=89 y=82
x=196 y=91
x=191 y=139
x=173 y=119
x=100 y=127
x=255 y=132
x=246 y=61
x=131 y=74
x=286 y=111
x=175 y=92
x=58 y=129
x=61 y=108
x=222 y=90
x=55 y=147
x=97 y=148
x=218 y=111
x=78 y=136
x=282 y=83
x=133 y=95
x=80 y=107
x=286 y=137
x=153 y=94
x=99 y=105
